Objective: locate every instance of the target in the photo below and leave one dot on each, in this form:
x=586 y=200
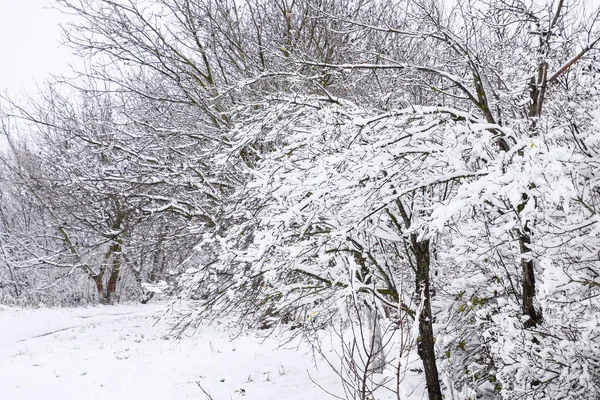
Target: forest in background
x=416 y=175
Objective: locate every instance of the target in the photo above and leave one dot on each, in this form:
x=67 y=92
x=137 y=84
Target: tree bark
x=537 y=93
x=426 y=340
x=99 y=287
x=528 y=275
x=111 y=287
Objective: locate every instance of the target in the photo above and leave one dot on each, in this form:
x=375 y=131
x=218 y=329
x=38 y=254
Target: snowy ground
x=120 y=353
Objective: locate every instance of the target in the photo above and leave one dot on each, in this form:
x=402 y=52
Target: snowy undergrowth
x=121 y=353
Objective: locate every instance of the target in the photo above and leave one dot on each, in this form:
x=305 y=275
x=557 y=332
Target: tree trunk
x=528 y=274
x=376 y=341
x=99 y=287
x=425 y=342
x=13 y=279
x=537 y=93
x=11 y=271
x=111 y=287
x=157 y=271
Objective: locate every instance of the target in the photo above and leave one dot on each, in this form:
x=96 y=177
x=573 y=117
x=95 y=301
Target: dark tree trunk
x=528 y=274
x=111 y=287
x=537 y=94
x=426 y=342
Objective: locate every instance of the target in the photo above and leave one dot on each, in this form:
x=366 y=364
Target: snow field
x=121 y=353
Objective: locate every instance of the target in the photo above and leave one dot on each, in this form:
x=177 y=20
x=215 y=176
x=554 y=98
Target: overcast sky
x=29 y=44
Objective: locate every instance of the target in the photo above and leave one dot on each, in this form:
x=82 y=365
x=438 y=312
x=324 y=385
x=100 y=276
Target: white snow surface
x=122 y=352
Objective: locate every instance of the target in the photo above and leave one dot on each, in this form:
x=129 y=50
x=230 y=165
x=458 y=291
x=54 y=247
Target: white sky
x=29 y=44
